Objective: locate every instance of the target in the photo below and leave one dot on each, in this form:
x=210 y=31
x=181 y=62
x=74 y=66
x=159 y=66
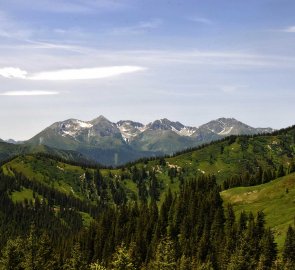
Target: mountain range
x=111 y=143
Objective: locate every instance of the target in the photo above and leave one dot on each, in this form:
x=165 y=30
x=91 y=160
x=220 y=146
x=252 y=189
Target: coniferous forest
x=147 y=135
x=146 y=215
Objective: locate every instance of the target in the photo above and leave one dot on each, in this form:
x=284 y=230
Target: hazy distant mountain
x=117 y=143
x=231 y=126
x=98 y=139
x=13 y=141
x=9 y=150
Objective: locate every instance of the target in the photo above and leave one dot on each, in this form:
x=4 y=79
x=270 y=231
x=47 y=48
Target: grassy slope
x=233 y=156
x=64 y=177
x=229 y=158
x=276 y=199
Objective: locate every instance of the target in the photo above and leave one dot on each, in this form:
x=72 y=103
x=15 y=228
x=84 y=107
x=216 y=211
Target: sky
x=190 y=61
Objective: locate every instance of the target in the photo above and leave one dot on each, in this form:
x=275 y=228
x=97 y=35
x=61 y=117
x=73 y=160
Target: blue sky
x=191 y=61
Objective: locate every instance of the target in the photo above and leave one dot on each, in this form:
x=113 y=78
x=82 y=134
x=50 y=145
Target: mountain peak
x=160 y=136
x=227 y=119
x=129 y=123
x=164 y=124
x=230 y=126
x=99 y=119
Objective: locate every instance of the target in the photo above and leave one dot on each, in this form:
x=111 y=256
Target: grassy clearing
x=20 y=196
x=276 y=199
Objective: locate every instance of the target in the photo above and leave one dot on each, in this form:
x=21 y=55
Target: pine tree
x=165 y=255
x=96 y=266
x=122 y=259
x=45 y=258
x=184 y=263
x=289 y=247
x=30 y=250
x=12 y=255
x=268 y=251
x=77 y=260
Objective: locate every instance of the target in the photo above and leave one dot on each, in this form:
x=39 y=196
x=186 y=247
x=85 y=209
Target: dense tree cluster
x=188 y=230
x=143 y=224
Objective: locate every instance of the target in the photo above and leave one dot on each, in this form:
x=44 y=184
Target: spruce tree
x=45 y=257
x=268 y=252
x=30 y=250
x=165 y=255
x=289 y=247
x=12 y=255
x=122 y=259
x=77 y=260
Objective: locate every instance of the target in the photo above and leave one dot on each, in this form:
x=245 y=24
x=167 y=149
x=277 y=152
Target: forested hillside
x=159 y=213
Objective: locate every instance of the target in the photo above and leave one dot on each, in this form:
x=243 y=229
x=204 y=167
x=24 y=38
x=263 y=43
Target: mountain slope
x=8 y=150
x=275 y=199
x=236 y=160
x=231 y=126
x=240 y=158
x=117 y=143
x=98 y=139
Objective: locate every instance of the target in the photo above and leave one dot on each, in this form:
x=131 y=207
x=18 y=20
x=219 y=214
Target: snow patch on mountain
x=185 y=131
x=84 y=124
x=73 y=127
x=226 y=131
x=127 y=133
x=130 y=129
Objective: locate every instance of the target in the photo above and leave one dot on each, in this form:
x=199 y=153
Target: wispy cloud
x=138 y=28
x=29 y=93
x=290 y=29
x=201 y=20
x=215 y=58
x=70 y=74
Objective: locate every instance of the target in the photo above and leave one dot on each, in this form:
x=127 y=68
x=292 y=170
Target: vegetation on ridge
x=164 y=213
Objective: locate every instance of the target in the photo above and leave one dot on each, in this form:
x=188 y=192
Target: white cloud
x=29 y=93
x=290 y=29
x=12 y=72
x=70 y=74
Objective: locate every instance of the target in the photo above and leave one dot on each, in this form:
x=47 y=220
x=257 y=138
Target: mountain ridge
x=115 y=143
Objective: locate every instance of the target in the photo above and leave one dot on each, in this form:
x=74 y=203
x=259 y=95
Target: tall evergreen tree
x=165 y=255
x=268 y=251
x=122 y=259
x=77 y=260
x=12 y=255
x=289 y=248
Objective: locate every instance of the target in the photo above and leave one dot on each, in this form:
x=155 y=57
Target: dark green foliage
x=289 y=247
x=122 y=259
x=165 y=258
x=76 y=260
x=12 y=255
x=189 y=231
x=151 y=223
